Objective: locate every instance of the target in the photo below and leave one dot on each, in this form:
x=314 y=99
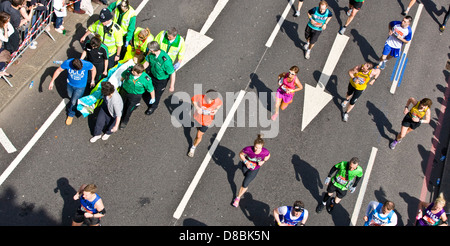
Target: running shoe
x=349 y=12
x=342 y=30
x=331 y=206
x=297 y=13
x=345 y=117
x=236 y=202
x=319 y=207
x=344 y=103
x=307 y=54
x=306 y=46
x=381 y=65
x=393 y=144
x=442 y=28
x=106 y=136
x=191 y=152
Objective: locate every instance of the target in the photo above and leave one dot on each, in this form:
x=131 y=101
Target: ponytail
x=259 y=140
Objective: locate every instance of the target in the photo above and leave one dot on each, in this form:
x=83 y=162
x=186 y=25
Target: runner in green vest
x=173 y=44
x=110 y=33
x=348 y=174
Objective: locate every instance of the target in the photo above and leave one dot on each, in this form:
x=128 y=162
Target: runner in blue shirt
x=399 y=33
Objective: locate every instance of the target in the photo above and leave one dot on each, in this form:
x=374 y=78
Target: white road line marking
x=141 y=6
x=201 y=170
x=278 y=26
x=212 y=17
x=6 y=143
x=405 y=51
x=31 y=143
x=363 y=188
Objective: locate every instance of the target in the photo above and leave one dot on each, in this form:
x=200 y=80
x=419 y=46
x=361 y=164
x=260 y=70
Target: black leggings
x=249 y=175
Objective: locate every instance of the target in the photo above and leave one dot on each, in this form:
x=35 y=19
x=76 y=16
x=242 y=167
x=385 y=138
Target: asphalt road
x=143 y=171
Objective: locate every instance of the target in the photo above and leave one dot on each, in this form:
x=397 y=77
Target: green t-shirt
x=136 y=85
x=160 y=67
x=341 y=180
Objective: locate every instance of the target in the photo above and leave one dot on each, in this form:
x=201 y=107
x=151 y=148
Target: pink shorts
x=287 y=98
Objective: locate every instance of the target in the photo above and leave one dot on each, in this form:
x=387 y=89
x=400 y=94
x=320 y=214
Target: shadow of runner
x=381 y=121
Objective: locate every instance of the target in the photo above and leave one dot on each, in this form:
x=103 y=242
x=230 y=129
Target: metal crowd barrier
x=39 y=24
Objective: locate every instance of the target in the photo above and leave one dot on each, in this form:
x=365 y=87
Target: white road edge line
x=43 y=128
x=141 y=6
x=405 y=51
x=178 y=212
x=33 y=141
x=6 y=143
x=278 y=26
x=362 y=191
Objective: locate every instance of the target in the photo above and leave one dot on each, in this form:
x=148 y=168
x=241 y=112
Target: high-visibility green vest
x=125 y=20
x=141 y=45
x=175 y=49
x=112 y=39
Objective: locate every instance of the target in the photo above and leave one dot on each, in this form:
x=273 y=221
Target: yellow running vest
x=414 y=112
x=361 y=80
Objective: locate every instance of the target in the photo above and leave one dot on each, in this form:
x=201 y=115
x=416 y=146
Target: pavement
x=35 y=62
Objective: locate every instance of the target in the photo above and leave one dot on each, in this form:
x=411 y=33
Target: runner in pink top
x=286 y=90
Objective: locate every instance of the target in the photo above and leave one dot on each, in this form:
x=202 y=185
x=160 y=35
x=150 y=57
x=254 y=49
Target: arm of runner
x=299 y=86
x=410 y=100
x=375 y=73
x=324 y=26
x=353 y=71
x=100 y=208
x=264 y=161
x=276 y=215
x=77 y=195
x=427 y=117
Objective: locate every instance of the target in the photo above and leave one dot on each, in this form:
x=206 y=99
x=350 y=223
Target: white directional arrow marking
x=197 y=41
x=315 y=97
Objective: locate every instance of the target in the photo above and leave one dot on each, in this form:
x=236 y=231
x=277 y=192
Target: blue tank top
x=287 y=219
x=88 y=206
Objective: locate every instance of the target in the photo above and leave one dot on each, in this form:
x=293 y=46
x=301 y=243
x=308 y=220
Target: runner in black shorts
x=353 y=7
x=318 y=19
x=414 y=117
x=360 y=77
